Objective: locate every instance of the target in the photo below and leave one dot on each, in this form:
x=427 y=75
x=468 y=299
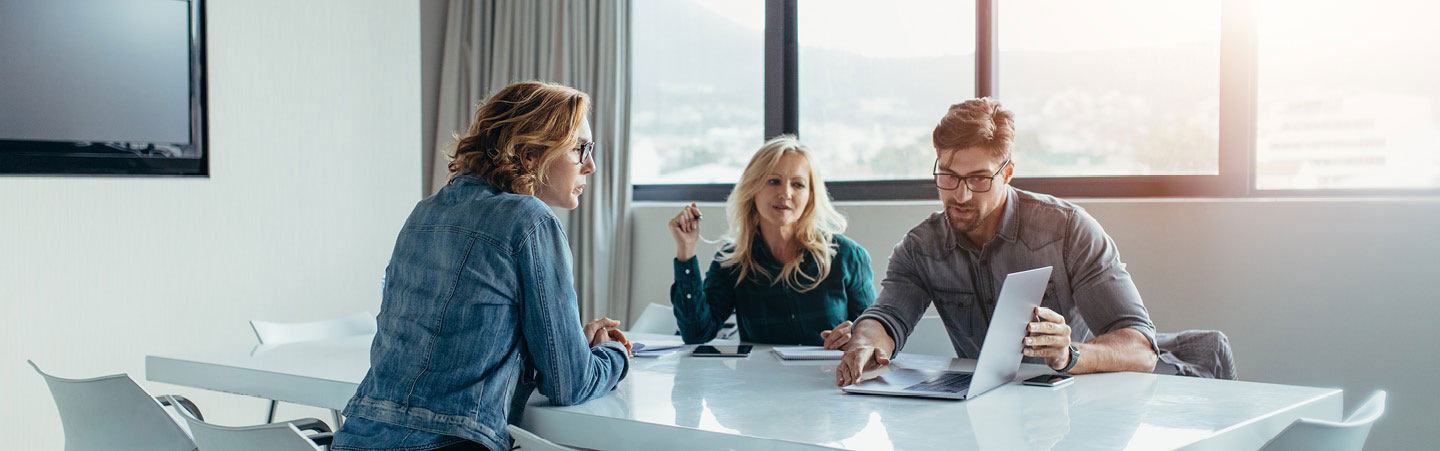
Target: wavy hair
x=817 y=226
x=979 y=123
x=529 y=119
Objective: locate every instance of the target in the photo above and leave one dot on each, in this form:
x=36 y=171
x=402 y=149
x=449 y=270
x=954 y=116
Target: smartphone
x=1049 y=380
x=721 y=351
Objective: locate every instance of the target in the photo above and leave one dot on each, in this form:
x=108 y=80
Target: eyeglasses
x=586 y=151
x=976 y=183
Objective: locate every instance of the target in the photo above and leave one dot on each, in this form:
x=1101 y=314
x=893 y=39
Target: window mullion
x=986 y=49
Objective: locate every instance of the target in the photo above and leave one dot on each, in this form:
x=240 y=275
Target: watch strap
x=1074 y=357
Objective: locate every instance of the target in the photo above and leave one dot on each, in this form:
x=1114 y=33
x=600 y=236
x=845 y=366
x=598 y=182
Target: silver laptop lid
x=1004 y=340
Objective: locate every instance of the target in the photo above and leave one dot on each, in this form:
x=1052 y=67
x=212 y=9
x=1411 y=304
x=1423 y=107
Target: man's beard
x=965 y=223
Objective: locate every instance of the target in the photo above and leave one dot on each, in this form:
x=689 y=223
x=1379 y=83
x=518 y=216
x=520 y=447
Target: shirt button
x=687 y=296
x=687 y=271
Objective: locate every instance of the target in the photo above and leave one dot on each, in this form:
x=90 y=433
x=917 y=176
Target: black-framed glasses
x=586 y=151
x=976 y=183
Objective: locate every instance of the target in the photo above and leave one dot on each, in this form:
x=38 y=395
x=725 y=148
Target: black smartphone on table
x=721 y=351
x=1049 y=380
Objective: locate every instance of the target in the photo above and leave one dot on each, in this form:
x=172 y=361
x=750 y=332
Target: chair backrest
x=929 y=338
x=524 y=440
x=656 y=319
x=1199 y=353
x=113 y=413
x=1318 y=435
x=270 y=437
x=273 y=333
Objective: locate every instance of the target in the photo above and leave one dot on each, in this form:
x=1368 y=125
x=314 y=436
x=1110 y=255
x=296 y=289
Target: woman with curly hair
x=786 y=272
x=479 y=307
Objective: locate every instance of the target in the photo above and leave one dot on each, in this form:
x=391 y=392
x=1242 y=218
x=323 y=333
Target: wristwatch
x=1074 y=357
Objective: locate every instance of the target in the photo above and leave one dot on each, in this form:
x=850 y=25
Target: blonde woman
x=785 y=271
x=479 y=308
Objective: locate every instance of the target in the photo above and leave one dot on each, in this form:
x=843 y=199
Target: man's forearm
x=1119 y=350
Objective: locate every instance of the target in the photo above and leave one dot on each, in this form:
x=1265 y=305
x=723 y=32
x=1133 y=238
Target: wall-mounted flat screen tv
x=102 y=87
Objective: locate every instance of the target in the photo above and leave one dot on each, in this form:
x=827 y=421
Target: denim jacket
x=479 y=309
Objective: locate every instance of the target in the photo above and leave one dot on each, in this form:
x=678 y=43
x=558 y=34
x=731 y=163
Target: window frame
x=1236 y=166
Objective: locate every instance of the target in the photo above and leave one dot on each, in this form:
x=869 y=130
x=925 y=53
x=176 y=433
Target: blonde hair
x=529 y=119
x=814 y=231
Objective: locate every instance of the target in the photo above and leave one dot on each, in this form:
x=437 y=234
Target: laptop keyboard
x=945 y=383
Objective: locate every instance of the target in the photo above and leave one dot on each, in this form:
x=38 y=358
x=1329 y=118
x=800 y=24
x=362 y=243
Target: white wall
x=315 y=163
x=1326 y=292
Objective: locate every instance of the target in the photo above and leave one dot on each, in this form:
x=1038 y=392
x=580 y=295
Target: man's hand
x=1049 y=337
x=596 y=331
x=857 y=361
x=869 y=347
x=837 y=337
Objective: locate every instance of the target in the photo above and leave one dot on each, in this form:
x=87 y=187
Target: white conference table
x=763 y=403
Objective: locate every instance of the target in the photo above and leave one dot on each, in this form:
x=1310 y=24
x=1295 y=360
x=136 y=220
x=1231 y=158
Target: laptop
x=999 y=357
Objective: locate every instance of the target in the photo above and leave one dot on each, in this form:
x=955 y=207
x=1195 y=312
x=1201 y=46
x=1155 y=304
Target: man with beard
x=1091 y=319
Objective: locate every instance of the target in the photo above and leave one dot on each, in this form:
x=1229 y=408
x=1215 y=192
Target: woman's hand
x=597 y=331
x=685 y=228
x=837 y=337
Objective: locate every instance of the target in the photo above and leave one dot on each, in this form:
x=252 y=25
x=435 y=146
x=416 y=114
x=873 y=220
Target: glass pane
x=1112 y=87
x=697 y=89
x=875 y=79
x=1348 y=95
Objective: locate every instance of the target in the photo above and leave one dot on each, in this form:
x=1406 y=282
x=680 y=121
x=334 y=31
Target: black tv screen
x=104 y=87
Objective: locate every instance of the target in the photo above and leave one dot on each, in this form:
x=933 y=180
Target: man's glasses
x=586 y=151
x=976 y=183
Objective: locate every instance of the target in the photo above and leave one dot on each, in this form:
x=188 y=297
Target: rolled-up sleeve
x=903 y=298
x=1100 y=285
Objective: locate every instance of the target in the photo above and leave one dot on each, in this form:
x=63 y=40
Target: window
x=875 y=81
x=1347 y=96
x=1114 y=98
x=697 y=100
x=1132 y=89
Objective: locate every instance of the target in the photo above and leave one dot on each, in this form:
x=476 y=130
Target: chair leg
x=338 y=418
x=270 y=418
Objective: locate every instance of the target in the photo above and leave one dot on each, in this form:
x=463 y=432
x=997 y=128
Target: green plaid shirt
x=772 y=312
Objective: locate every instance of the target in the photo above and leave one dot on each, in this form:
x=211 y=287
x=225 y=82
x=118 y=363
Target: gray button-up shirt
x=1088 y=285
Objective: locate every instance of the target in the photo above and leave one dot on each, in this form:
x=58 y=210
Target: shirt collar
x=1010 y=217
x=1009 y=224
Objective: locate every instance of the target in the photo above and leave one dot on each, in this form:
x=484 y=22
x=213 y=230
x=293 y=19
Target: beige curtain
x=585 y=44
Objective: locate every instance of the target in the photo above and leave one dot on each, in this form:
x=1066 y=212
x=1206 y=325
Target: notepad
x=807 y=353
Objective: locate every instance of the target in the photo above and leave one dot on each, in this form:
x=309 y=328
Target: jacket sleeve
x=570 y=371
x=701 y=308
x=860 y=285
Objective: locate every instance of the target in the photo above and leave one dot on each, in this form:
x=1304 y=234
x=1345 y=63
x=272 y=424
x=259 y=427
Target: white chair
x=929 y=338
x=114 y=413
x=1318 y=435
x=284 y=436
x=656 y=319
x=274 y=333
x=524 y=440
